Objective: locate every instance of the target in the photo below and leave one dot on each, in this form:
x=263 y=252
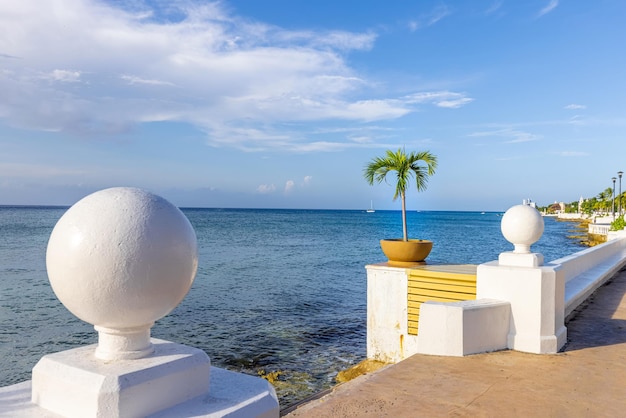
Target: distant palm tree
x=420 y=165
x=606 y=197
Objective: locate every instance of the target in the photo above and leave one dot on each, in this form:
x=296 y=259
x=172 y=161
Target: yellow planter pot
x=401 y=252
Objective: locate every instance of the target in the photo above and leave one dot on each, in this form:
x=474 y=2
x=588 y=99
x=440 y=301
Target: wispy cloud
x=65 y=76
x=446 y=99
x=575 y=106
x=510 y=135
x=508 y=158
x=289 y=185
x=266 y=188
x=240 y=81
x=548 y=8
x=495 y=6
x=576 y=120
x=138 y=80
x=573 y=154
x=430 y=18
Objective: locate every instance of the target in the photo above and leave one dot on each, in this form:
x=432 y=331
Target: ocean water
x=277 y=291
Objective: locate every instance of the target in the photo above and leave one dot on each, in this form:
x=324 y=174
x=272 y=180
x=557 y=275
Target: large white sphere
x=122 y=258
x=522 y=226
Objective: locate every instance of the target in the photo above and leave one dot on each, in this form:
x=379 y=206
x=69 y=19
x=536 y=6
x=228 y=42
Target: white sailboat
x=371 y=209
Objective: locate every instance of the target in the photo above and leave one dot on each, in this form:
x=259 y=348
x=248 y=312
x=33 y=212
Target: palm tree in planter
x=420 y=165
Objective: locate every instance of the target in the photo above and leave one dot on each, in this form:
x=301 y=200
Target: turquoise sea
x=276 y=290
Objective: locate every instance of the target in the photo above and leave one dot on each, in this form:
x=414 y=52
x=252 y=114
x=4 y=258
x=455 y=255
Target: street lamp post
x=614 y=178
x=619 y=173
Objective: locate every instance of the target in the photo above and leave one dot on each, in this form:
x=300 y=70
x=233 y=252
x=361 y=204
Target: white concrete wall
x=388 y=339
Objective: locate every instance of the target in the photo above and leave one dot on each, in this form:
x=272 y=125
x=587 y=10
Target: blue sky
x=281 y=103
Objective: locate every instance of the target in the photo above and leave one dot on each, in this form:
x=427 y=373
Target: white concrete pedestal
x=176 y=381
x=232 y=395
x=536 y=295
x=74 y=383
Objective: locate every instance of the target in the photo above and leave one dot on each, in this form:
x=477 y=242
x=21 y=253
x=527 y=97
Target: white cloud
x=63 y=76
x=138 y=80
x=577 y=120
x=361 y=139
x=428 y=19
x=266 y=188
x=241 y=82
x=455 y=103
x=574 y=106
x=340 y=40
x=513 y=135
x=494 y=7
x=289 y=185
x=573 y=154
x=308 y=179
x=321 y=146
x=548 y=8
x=446 y=99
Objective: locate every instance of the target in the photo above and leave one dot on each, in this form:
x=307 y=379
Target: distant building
x=529 y=202
x=580 y=204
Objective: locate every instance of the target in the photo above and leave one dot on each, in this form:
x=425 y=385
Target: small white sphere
x=121 y=258
x=522 y=226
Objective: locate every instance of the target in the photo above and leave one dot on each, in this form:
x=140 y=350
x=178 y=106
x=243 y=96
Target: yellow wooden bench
x=444 y=283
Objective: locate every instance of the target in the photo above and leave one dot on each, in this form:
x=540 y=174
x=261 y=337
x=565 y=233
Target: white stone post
x=388 y=338
x=121 y=259
x=535 y=292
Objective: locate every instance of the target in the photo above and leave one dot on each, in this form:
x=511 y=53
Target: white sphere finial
x=120 y=259
x=522 y=226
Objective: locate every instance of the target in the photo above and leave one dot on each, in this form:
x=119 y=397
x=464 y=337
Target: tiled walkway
x=587 y=379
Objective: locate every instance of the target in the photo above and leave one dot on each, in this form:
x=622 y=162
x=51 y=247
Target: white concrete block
x=463 y=328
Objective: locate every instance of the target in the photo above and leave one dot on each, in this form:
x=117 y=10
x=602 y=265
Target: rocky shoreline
x=580 y=233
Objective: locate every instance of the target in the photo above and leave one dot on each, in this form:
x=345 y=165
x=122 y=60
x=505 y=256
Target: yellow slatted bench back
x=444 y=283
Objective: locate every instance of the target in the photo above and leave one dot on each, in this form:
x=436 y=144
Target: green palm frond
x=419 y=165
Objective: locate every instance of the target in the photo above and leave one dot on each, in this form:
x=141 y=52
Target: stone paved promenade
x=587 y=379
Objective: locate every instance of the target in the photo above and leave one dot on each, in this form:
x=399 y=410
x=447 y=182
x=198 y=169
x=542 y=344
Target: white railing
x=587 y=270
x=599 y=229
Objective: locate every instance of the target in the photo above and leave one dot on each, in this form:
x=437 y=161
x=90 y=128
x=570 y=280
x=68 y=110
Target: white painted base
x=520 y=260
x=75 y=383
x=172 y=382
x=463 y=328
x=231 y=394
